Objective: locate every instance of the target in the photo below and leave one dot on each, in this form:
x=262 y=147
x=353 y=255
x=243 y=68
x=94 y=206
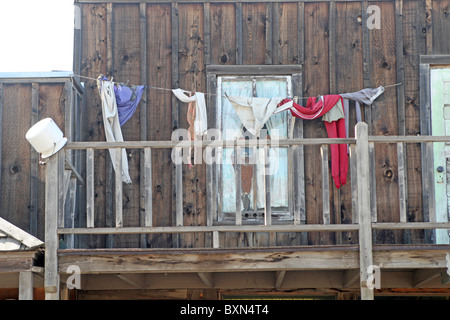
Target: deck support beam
x=26 y=285
x=52 y=210
x=365 y=229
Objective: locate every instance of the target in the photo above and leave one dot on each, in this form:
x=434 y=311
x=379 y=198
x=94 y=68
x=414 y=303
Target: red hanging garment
x=335 y=129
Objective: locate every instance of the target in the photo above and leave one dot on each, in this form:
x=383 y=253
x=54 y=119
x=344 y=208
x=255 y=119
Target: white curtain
x=277 y=128
x=231 y=126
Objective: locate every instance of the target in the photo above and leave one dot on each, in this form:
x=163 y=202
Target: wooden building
x=26 y=98
x=178 y=232
x=21 y=264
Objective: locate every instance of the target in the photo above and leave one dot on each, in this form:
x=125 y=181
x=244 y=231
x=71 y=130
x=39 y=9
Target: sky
x=36 y=35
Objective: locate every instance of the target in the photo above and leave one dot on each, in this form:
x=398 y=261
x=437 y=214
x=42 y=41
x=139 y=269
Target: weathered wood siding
x=168 y=44
x=23 y=102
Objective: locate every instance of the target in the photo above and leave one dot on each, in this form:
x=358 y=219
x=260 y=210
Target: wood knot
x=14 y=169
x=355 y=43
x=224 y=59
x=359 y=19
x=389 y=173
x=385 y=65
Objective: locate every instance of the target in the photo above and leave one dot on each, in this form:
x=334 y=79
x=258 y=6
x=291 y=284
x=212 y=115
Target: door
x=440 y=126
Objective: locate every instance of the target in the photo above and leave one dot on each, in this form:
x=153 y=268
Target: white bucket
x=46 y=137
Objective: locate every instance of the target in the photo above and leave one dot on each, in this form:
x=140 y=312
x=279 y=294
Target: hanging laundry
x=314 y=109
x=335 y=113
x=365 y=96
x=111 y=123
x=196 y=117
x=127 y=99
x=254 y=112
x=339 y=152
x=200 y=115
x=330 y=108
x=191 y=120
x=347 y=110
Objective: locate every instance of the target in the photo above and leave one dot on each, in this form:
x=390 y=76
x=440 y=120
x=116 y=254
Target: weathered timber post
x=365 y=227
x=26 y=285
x=52 y=208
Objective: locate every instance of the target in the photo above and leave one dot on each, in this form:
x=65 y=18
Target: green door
x=440 y=126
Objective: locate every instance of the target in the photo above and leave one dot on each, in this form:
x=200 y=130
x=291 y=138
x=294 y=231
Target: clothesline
x=146 y=86
x=210 y=94
x=119 y=101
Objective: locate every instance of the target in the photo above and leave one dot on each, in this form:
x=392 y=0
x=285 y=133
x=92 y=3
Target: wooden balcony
x=273 y=267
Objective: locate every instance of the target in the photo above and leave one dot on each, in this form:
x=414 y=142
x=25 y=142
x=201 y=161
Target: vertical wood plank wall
x=16 y=156
x=23 y=102
x=338 y=53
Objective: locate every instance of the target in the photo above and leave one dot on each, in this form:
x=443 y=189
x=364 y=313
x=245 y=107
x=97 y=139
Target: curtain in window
x=233 y=128
x=277 y=129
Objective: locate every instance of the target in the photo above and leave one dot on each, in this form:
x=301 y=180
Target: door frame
x=427 y=62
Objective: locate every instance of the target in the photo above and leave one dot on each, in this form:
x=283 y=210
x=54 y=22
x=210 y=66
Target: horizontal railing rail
x=203 y=143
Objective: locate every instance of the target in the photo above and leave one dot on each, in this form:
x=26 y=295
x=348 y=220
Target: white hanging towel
x=201 y=118
x=113 y=132
x=254 y=112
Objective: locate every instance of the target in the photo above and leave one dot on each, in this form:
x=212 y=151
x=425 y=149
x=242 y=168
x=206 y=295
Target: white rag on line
x=113 y=131
x=254 y=112
x=201 y=118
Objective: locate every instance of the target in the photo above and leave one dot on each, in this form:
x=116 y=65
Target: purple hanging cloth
x=127 y=99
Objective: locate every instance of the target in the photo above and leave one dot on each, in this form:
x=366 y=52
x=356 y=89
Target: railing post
x=238 y=177
x=267 y=196
x=148 y=205
x=118 y=189
x=325 y=184
x=365 y=226
x=90 y=188
x=52 y=203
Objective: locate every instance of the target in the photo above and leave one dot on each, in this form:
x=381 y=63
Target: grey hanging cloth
x=365 y=96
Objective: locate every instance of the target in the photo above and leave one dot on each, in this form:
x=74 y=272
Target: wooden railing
x=362 y=183
x=298 y=220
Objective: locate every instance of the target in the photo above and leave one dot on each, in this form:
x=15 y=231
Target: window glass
x=252 y=185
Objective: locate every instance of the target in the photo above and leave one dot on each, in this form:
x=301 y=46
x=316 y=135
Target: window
x=259 y=85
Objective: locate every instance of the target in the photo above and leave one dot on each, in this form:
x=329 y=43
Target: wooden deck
x=212 y=265
x=327 y=269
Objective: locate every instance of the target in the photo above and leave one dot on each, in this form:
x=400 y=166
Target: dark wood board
x=159 y=58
